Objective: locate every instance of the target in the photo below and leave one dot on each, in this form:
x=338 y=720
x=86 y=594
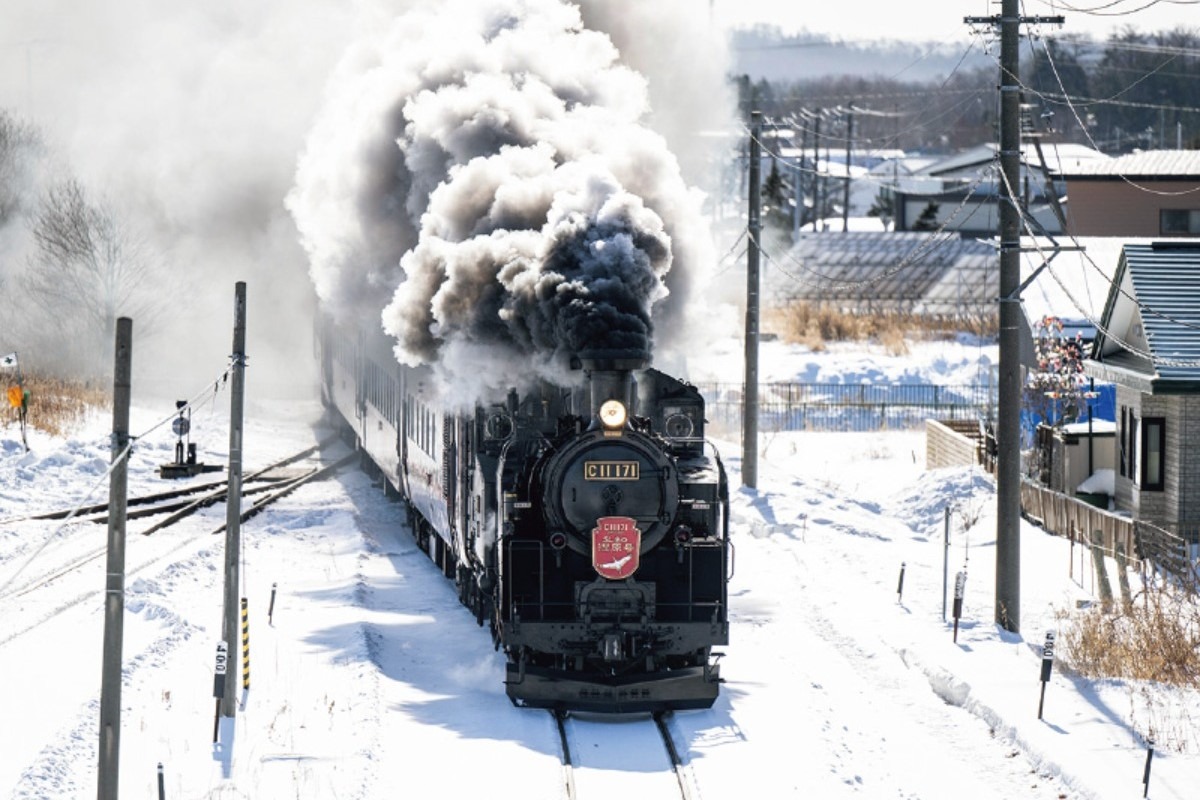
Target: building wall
x=979 y=214
x=951 y=443
x=1177 y=506
x=1116 y=208
x=1162 y=506
x=1188 y=429
x=1075 y=458
x=1124 y=488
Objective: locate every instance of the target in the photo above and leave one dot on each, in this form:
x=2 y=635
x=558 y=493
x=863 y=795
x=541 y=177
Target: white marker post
x=960 y=585
x=1047 y=663
x=221 y=666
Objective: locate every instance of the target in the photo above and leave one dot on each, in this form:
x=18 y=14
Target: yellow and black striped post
x=245 y=645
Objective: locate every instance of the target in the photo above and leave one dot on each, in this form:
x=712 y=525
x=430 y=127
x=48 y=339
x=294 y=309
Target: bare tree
x=85 y=270
x=20 y=142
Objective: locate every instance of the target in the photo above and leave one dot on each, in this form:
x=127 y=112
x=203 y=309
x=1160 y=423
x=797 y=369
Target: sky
x=367 y=677
x=942 y=20
x=191 y=120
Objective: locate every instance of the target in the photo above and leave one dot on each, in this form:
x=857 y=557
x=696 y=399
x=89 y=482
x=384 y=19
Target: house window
x=1179 y=221
x=1121 y=439
x=1128 y=457
x=1154 y=447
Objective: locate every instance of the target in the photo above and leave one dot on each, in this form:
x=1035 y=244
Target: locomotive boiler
x=586 y=525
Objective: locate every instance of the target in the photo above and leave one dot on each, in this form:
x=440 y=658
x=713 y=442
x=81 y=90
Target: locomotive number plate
x=611 y=471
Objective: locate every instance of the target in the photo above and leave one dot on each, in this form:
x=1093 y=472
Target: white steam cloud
x=482 y=176
x=187 y=119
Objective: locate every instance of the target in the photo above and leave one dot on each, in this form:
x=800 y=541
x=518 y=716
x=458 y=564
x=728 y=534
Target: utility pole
x=233 y=508
x=750 y=405
x=1008 y=421
x=849 y=153
x=817 y=171
x=114 y=595
x=802 y=177
x=797 y=194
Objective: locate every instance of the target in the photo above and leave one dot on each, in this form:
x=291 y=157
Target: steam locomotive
x=588 y=526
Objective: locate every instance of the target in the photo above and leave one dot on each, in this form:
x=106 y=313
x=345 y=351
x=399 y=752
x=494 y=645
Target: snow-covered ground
x=368 y=680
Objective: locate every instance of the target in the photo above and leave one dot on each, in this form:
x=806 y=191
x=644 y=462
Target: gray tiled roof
x=1165 y=301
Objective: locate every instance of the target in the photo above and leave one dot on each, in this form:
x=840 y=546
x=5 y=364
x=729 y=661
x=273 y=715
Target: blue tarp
x=1104 y=406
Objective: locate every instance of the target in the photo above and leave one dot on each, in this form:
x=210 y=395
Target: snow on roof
x=1102 y=481
x=1146 y=164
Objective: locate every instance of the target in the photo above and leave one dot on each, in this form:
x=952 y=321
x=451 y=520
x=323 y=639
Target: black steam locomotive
x=588 y=527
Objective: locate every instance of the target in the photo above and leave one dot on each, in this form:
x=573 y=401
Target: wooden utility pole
x=233 y=508
x=114 y=594
x=1008 y=416
x=750 y=405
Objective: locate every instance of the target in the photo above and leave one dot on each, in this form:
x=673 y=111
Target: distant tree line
x=1134 y=90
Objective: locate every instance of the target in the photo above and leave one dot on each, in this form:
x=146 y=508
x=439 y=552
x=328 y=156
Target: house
x=1148 y=345
x=1147 y=194
x=962 y=192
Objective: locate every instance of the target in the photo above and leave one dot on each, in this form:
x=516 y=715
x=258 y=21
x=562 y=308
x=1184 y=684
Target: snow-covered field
x=369 y=680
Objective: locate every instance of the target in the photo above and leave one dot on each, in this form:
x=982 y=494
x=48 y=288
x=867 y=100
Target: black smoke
x=483 y=178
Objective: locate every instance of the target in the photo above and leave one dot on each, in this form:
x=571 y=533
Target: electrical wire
x=1092 y=141
x=119 y=458
x=929 y=245
x=1108 y=333
x=1099 y=10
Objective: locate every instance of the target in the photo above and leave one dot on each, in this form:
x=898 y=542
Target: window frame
x=1154 y=434
x=1191 y=226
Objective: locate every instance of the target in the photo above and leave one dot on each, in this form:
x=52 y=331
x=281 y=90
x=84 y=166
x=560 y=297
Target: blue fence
x=847 y=407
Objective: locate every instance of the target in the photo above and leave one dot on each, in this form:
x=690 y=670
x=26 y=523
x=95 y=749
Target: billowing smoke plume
x=483 y=178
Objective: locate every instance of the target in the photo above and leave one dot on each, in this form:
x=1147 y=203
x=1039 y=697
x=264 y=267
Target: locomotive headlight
x=558 y=540
x=613 y=414
x=679 y=425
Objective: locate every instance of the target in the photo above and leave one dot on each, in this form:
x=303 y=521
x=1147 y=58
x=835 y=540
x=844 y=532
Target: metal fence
x=847 y=407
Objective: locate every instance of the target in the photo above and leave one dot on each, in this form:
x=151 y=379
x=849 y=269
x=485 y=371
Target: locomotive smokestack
x=610 y=376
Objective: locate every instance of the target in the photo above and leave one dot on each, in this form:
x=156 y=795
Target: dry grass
x=814 y=325
x=55 y=406
x=1154 y=646
x=1157 y=638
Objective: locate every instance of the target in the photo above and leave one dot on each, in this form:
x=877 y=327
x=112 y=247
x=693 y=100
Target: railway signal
x=185 y=464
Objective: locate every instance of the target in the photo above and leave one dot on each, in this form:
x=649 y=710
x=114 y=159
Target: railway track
x=275 y=486
x=182 y=501
x=594 y=767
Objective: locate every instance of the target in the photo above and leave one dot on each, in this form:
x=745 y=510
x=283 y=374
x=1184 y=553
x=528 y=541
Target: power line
x=1092 y=141
x=1101 y=10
